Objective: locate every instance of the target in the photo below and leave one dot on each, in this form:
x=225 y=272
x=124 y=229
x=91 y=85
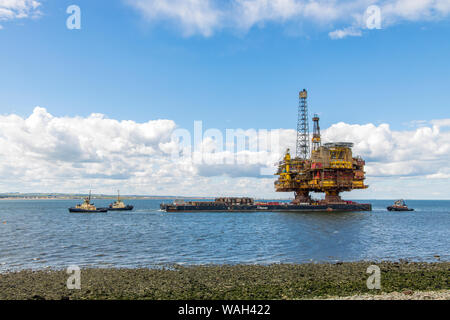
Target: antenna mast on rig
x=302 y=150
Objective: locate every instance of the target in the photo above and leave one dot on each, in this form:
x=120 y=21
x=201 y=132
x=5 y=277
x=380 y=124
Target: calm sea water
x=43 y=234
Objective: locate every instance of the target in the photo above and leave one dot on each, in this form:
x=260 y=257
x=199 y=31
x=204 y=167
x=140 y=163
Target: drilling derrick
x=330 y=169
x=302 y=150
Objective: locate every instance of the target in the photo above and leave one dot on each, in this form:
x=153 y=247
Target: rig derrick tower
x=330 y=168
x=302 y=150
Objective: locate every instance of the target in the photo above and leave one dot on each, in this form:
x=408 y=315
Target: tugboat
x=399 y=205
x=119 y=205
x=87 y=207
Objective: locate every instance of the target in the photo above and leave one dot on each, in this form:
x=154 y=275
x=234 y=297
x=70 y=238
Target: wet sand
x=275 y=282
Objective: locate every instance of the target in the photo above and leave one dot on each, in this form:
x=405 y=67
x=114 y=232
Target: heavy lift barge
x=249 y=205
x=329 y=168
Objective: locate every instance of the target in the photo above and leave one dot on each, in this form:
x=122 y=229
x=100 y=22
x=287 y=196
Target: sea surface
x=39 y=234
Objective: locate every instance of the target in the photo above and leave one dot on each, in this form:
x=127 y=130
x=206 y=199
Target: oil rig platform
x=329 y=168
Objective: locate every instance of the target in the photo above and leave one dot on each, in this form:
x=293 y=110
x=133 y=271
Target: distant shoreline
x=21 y=198
x=96 y=197
x=133 y=197
x=109 y=197
x=93 y=198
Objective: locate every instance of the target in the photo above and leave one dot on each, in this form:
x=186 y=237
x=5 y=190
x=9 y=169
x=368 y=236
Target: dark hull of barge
x=332 y=207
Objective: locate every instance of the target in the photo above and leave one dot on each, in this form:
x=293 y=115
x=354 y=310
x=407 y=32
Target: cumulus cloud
x=346 y=32
x=193 y=16
x=45 y=151
x=18 y=9
x=206 y=16
x=74 y=154
x=424 y=152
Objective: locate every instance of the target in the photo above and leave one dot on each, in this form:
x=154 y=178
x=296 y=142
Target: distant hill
x=70 y=196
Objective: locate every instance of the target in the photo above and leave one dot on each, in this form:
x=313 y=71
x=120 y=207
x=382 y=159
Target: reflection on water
x=39 y=234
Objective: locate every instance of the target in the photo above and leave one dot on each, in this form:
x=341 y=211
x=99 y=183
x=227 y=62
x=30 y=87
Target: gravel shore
x=406 y=295
x=281 y=281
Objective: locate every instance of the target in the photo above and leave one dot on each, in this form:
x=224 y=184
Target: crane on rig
x=329 y=168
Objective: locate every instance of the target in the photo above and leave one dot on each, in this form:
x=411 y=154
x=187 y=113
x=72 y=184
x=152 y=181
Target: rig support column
x=302 y=197
x=332 y=196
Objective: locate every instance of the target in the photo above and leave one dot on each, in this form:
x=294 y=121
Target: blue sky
x=126 y=68
x=129 y=64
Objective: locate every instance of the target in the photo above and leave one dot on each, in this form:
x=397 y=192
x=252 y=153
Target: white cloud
x=414 y=10
x=43 y=151
x=193 y=16
x=346 y=32
x=347 y=18
x=74 y=154
x=18 y=9
x=423 y=152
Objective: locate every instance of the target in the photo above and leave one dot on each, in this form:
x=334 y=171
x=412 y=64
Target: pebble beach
x=399 y=280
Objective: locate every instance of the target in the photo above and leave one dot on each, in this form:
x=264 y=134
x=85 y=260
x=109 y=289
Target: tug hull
x=76 y=210
x=395 y=208
x=126 y=208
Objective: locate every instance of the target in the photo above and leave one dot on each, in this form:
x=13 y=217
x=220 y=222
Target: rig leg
x=302 y=197
x=333 y=197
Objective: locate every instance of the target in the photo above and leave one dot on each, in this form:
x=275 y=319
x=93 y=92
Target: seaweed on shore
x=273 y=282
